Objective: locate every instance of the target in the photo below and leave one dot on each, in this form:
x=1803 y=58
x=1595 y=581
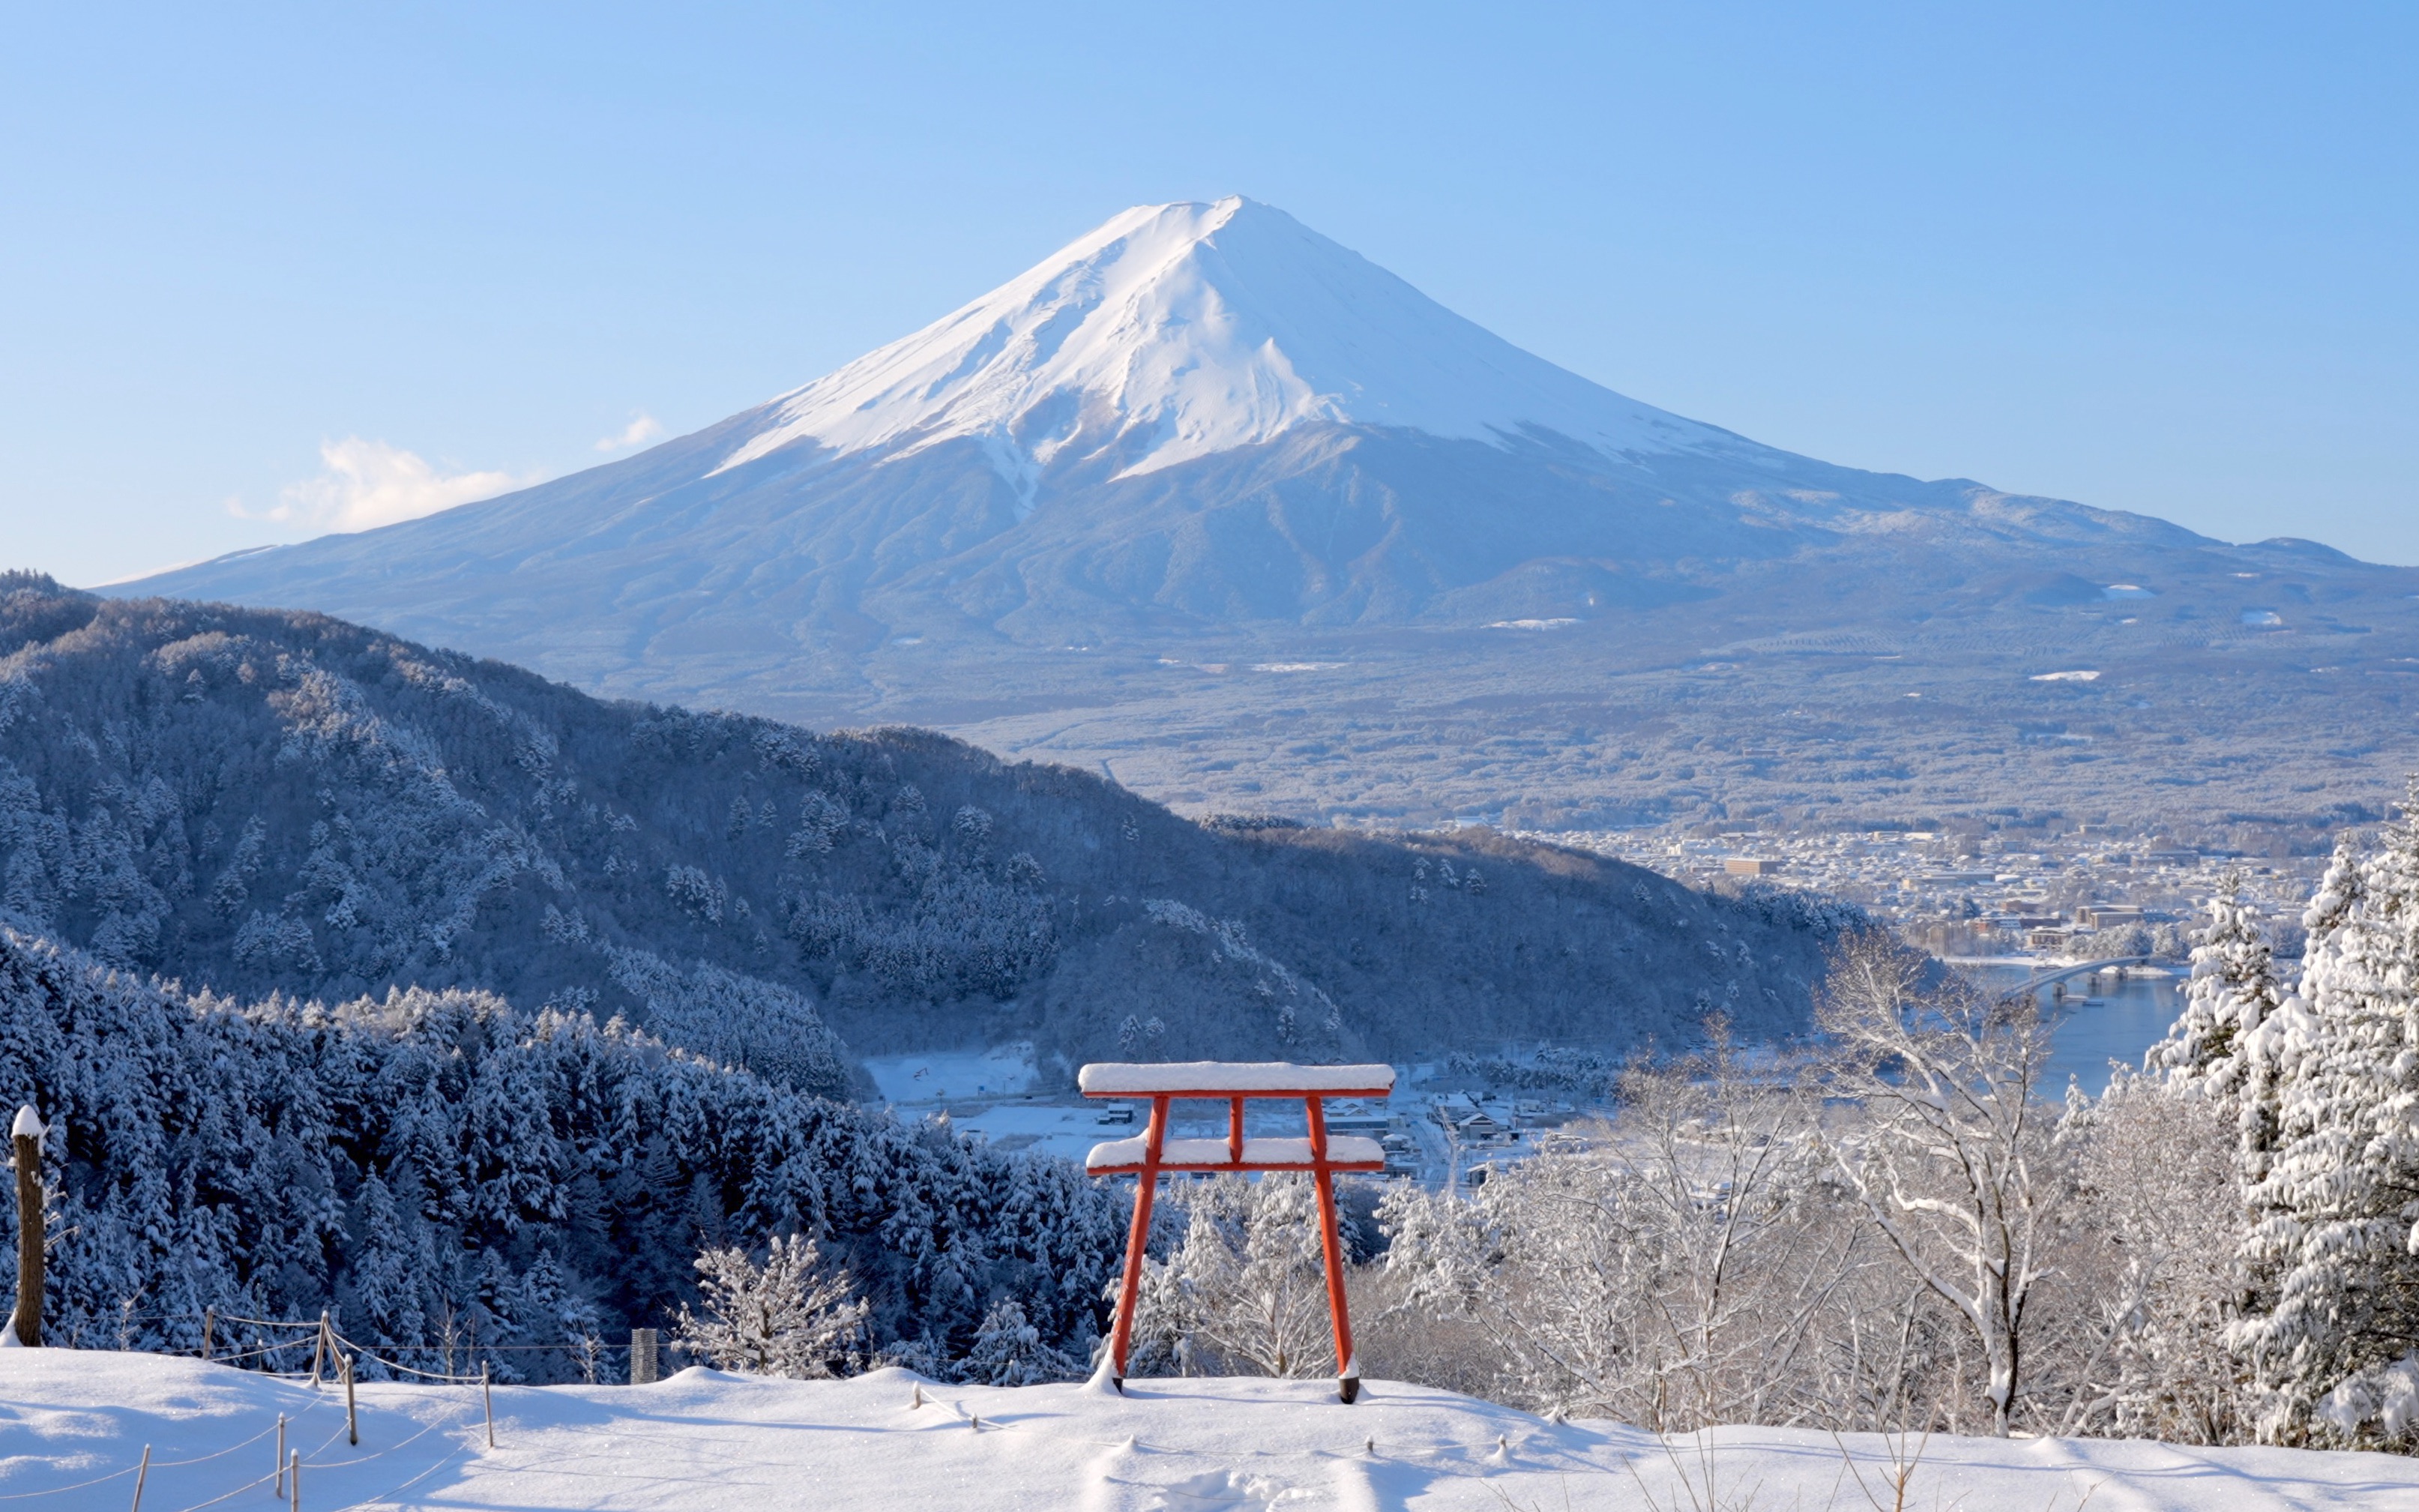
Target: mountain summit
x=1176 y=331
x=1194 y=416
x=1204 y=486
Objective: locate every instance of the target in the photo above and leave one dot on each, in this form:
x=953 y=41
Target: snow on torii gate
x=1233 y=1083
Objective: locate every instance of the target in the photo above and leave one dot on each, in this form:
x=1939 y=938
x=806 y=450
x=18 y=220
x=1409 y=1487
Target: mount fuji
x=1178 y=332
x=1205 y=487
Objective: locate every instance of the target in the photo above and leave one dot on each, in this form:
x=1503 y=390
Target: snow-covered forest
x=255 y=802
x=461 y=1181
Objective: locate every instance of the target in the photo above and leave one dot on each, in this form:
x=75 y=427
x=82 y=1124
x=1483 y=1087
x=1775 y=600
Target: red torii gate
x=1233 y=1083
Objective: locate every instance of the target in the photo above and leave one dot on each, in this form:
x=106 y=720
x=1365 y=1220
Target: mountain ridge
x=264 y=801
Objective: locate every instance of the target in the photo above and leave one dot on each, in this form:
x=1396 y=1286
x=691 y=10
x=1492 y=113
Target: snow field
x=73 y=1424
x=1002 y=1070
x=1067 y=1131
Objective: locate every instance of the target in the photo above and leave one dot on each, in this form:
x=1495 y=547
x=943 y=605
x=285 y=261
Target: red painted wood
x=1347 y=1368
x=1321 y=1168
x=1121 y=1339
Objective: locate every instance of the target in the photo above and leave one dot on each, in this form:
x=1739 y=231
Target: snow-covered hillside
x=1194 y=329
x=77 y=1422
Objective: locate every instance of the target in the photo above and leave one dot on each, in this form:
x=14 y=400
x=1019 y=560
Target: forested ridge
x=257 y=801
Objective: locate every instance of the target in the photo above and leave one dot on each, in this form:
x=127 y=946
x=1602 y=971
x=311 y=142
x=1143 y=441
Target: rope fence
x=581 y=1356
x=337 y=1360
x=328 y=1348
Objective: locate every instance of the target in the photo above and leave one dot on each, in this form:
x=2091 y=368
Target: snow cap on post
x=29 y=1124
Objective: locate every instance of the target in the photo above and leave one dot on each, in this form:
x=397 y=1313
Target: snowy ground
x=1062 y=1129
x=939 y=1076
x=73 y=1426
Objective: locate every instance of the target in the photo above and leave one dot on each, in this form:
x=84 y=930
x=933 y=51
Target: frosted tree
x=392 y=1262
x=2331 y=1331
x=1951 y=1159
x=783 y=1317
x=1679 y=1268
x=2150 y=1260
x=2234 y=989
x=1271 y=1297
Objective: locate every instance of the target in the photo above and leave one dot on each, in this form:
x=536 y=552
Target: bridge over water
x=2045 y=978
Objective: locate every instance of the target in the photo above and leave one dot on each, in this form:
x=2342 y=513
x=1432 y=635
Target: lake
x=2124 y=1018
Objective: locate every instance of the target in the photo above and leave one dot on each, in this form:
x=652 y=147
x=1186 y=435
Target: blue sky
x=268 y=268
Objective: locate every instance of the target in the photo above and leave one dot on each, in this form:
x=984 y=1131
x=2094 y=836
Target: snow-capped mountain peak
x=1180 y=330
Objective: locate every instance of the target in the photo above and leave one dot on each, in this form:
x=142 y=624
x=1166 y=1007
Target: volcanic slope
x=1218 y=503
x=258 y=801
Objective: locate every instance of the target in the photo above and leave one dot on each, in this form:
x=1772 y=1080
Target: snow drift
x=705 y=1442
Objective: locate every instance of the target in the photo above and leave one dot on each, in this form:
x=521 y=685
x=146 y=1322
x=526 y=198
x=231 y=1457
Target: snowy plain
x=938 y=1076
x=74 y=1425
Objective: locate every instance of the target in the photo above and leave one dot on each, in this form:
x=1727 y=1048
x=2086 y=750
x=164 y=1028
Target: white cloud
x=364 y=483
x=642 y=428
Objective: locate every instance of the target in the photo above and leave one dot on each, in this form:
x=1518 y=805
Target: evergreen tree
x=2234 y=988
x=2331 y=1331
x=1009 y=1351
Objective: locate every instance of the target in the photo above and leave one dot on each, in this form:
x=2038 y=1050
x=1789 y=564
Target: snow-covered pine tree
x=1009 y=1351
x=2163 y=1159
x=2234 y=988
x=786 y=1317
x=2331 y=1325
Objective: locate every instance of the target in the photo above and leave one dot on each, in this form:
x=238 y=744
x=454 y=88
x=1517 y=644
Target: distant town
x=2090 y=892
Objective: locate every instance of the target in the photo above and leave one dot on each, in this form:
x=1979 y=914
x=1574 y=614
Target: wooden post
x=319 y=1348
x=27 y=1137
x=642 y=1357
x=294 y=1482
x=487 y=1395
x=352 y=1424
x=142 y=1474
x=279 y=1489
x=209 y=1324
x=1347 y=1368
x=1146 y=1187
